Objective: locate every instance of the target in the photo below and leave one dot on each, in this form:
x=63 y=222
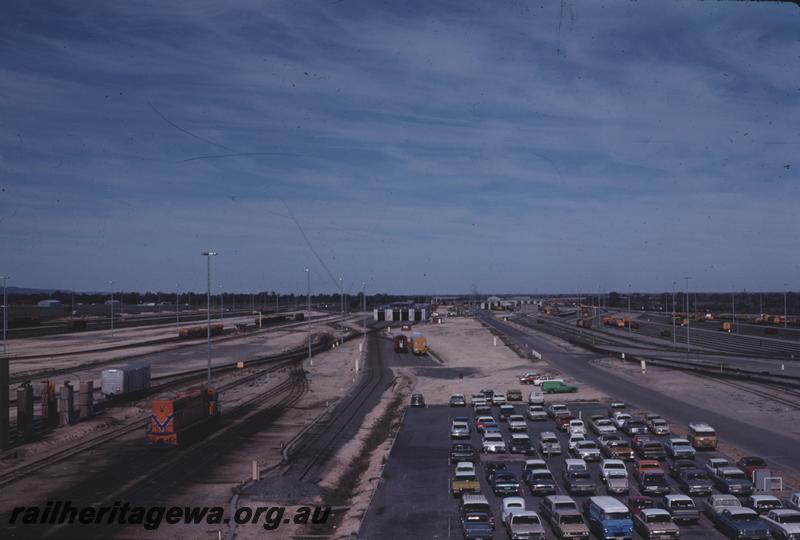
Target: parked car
x=462 y=452
x=525 y=524
x=655 y=523
x=536 y=397
x=648 y=448
x=516 y=422
x=549 y=444
x=695 y=482
x=527 y=378
x=506 y=411
x=521 y=444
x=751 y=464
x=532 y=465
x=613 y=446
x=736 y=523
x=794 y=501
x=483 y=410
x=569 y=525
x=645 y=466
x=541 y=482
x=637 y=503
x=602 y=426
x=492 y=468
x=459 y=430
x=677 y=466
x=557 y=503
x=619 y=418
x=537 y=413
x=493 y=443
x=586 y=450
x=558 y=387
x=678 y=447
x=465 y=466
x=712 y=464
x=544 y=378
x=464 y=482
x=458 y=400
x=477 y=525
x=482 y=422
x=633 y=426
x=562 y=422
x=579 y=482
x=716 y=503
x=510 y=504
x=514 y=395
x=681 y=507
x=617 y=483
x=609 y=518
x=576 y=426
x=498 y=399
x=784 y=524
x=555 y=410
x=732 y=480
x=763 y=503
x=417 y=400
x=653 y=483
x=657 y=426
x=575 y=439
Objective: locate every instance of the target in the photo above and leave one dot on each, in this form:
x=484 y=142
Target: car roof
x=730 y=470
x=513 y=500
x=524 y=513
x=677 y=497
x=469 y=498
x=560 y=498
x=785 y=512
x=679 y=439
x=520 y=436
x=764 y=498
x=739 y=510
x=653 y=511
x=613 y=461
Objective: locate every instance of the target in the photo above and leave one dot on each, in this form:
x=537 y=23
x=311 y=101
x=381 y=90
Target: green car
x=557 y=387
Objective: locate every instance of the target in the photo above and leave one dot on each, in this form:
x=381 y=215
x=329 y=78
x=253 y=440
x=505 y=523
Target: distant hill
x=27 y=290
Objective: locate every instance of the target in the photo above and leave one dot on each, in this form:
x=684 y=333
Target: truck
x=557 y=387
x=419 y=345
x=464 y=482
x=400 y=343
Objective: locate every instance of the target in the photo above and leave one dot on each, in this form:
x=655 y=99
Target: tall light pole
x=177 y=304
x=308 y=314
x=688 y=348
x=364 y=307
x=111 y=286
x=221 y=304
x=785 y=311
x=208 y=255
x=630 y=317
x=5 y=313
x=341 y=295
x=674 y=338
x=733 y=308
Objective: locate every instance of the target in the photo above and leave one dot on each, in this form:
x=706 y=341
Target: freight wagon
x=126 y=380
x=584 y=323
x=419 y=345
x=400 y=342
x=192 y=332
x=299 y=316
x=184 y=419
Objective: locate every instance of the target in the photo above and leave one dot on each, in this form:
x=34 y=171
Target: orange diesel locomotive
x=179 y=421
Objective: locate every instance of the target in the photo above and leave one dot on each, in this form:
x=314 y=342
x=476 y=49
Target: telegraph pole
x=208 y=255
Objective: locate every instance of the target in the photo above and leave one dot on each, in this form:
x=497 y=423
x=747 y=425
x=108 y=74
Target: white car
x=459 y=430
x=493 y=443
x=604 y=426
x=678 y=447
x=620 y=418
x=511 y=504
x=608 y=465
x=544 y=378
x=537 y=413
x=575 y=439
x=587 y=450
x=536 y=397
x=516 y=422
x=784 y=523
x=465 y=467
x=498 y=399
x=576 y=426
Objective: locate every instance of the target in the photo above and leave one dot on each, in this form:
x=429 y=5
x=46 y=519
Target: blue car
x=739 y=523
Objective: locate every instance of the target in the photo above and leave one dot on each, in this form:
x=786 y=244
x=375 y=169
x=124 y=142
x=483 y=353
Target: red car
x=639 y=502
x=563 y=422
x=528 y=378
x=750 y=464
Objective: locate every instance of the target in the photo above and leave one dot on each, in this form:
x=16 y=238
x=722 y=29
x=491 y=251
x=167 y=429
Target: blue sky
x=423 y=146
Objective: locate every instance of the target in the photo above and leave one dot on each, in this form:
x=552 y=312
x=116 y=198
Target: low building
x=49 y=303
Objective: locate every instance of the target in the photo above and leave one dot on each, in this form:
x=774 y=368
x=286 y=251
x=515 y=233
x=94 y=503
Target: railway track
x=771 y=396
x=140 y=422
x=318 y=444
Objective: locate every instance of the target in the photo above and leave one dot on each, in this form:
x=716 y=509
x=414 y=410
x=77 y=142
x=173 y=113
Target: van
x=702 y=436
x=609 y=518
x=472 y=503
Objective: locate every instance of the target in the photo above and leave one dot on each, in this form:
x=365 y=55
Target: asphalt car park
x=414 y=499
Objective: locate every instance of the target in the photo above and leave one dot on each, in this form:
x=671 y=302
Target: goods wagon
x=76 y=325
x=400 y=342
x=191 y=332
x=184 y=419
x=126 y=380
x=725 y=326
x=584 y=323
x=419 y=345
x=299 y=316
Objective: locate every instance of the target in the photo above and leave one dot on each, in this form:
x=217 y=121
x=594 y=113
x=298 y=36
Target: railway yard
x=364 y=421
